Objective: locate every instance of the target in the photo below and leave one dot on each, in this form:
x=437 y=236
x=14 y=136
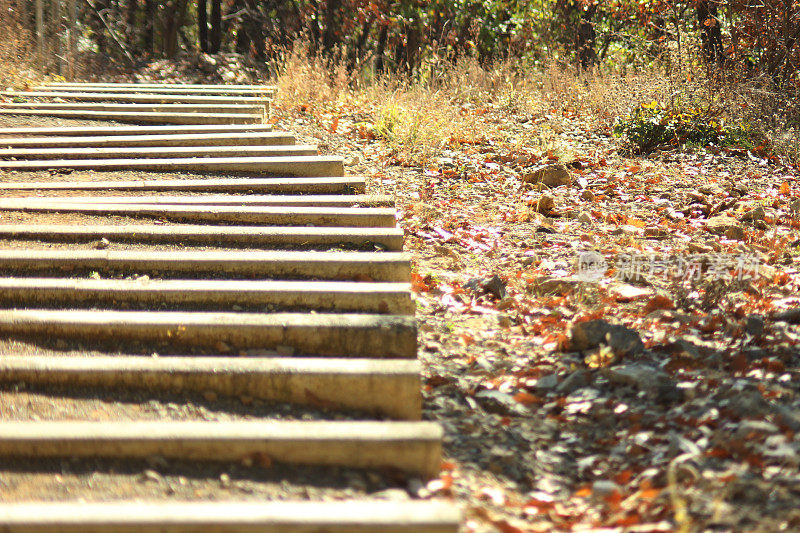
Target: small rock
x=502 y=454
x=493 y=285
x=546 y=383
x=551 y=175
x=505 y=303
x=748 y=403
x=795 y=206
x=746 y=427
x=757 y=213
x=684 y=349
x=391 y=494
x=545 y=204
x=726 y=226
x=792 y=316
x=500 y=403
x=561 y=286
x=593 y=333
x=102 y=244
x=414 y=486
x=151 y=475
x=655 y=233
x=210 y=396
x=641 y=376
x=352 y=160
x=225 y=480
x=587 y=195
x=698 y=248
x=285 y=350
x=603 y=488
x=754 y=326
x=584 y=218
x=207 y=63
x=222 y=347
x=624 y=292
x=576 y=380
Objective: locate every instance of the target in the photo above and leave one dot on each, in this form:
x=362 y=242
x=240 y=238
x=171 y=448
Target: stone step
x=320 y=185
x=384 y=387
x=140 y=116
x=265 y=91
x=83 y=84
x=305 y=166
x=146 y=98
x=80 y=131
x=240 y=138
x=410 y=446
x=337 y=296
x=222 y=236
x=327 y=335
x=303 y=200
x=157 y=152
x=363 y=217
x=138 y=108
x=343 y=266
x=224 y=517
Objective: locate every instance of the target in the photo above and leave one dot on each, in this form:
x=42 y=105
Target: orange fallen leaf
x=649 y=494
x=526 y=398
x=623 y=477
x=583 y=492
x=448 y=465
x=442 y=484
x=658 y=302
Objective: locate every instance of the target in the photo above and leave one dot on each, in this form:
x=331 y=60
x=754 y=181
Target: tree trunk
x=710 y=32
x=329 y=37
x=380 y=49
x=40 y=32
x=357 y=53
x=202 y=24
x=130 y=24
x=174 y=14
x=255 y=29
x=55 y=27
x=72 y=38
x=149 y=44
x=215 y=38
x=586 y=38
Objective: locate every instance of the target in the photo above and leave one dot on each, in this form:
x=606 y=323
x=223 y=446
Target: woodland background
x=514 y=136
x=755 y=38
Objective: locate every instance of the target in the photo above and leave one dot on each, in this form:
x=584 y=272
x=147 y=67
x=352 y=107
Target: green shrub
x=651 y=127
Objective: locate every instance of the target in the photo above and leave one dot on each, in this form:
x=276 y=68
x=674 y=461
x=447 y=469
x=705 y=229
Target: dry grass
x=16 y=50
x=450 y=105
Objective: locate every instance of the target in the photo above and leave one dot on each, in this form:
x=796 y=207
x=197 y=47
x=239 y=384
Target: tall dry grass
x=17 y=50
x=451 y=104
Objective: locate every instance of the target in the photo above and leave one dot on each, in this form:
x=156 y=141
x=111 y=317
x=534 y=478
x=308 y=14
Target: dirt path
x=679 y=406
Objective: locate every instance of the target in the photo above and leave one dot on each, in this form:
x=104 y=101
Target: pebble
x=391 y=494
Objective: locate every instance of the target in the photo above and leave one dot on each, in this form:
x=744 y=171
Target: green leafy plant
x=652 y=126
